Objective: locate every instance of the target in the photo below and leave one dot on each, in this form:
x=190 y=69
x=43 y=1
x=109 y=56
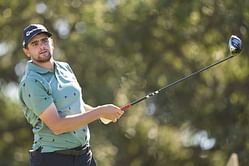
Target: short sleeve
x=35 y=95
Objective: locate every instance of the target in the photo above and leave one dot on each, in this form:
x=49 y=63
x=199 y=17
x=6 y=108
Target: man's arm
x=59 y=125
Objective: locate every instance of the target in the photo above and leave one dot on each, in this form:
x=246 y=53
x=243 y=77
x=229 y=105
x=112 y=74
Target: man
x=53 y=105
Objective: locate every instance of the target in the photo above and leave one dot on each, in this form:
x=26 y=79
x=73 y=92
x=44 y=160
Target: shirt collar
x=33 y=67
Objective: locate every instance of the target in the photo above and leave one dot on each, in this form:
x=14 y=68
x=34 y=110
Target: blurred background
x=121 y=50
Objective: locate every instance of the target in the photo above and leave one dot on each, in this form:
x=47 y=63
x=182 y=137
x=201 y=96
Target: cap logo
x=29 y=32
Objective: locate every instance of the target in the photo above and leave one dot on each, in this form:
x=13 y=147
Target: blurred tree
x=122 y=50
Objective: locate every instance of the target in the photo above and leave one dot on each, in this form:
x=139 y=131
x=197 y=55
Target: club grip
x=126 y=107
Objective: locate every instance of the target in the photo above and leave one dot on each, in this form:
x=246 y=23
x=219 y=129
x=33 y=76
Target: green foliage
x=122 y=50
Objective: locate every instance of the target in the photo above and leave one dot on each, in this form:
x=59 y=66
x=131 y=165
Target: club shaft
x=195 y=73
x=125 y=107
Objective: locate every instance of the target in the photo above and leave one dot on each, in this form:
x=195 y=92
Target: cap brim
x=27 y=42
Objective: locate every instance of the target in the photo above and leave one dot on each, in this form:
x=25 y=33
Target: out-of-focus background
x=121 y=50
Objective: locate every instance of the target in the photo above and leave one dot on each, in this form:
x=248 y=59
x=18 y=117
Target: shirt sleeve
x=35 y=96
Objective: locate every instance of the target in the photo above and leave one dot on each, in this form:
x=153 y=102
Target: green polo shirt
x=38 y=89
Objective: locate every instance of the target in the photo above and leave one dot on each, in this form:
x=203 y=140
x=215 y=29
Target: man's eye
x=34 y=44
x=45 y=40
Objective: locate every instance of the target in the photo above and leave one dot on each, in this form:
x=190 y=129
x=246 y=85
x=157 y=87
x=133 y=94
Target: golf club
x=235 y=46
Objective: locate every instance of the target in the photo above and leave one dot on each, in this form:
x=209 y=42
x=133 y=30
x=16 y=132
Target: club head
x=235 y=45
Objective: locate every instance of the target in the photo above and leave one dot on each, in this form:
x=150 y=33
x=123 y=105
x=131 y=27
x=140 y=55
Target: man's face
x=40 y=48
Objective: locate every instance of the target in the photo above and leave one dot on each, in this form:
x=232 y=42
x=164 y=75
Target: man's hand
x=110 y=111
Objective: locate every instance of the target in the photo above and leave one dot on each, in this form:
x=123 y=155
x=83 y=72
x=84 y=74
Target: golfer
x=53 y=105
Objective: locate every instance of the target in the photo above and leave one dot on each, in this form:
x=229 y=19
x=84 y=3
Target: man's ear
x=26 y=52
